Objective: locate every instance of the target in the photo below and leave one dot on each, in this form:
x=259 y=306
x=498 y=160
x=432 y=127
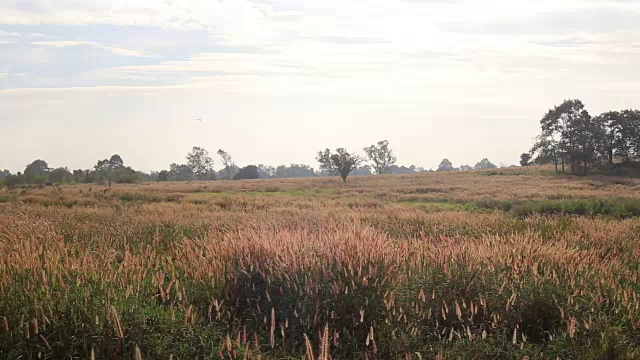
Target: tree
x=484 y=164
x=630 y=134
x=395 y=169
x=363 y=170
x=163 y=175
x=199 y=162
x=229 y=167
x=4 y=174
x=266 y=171
x=466 y=167
x=559 y=127
x=247 y=172
x=381 y=155
x=107 y=169
x=611 y=143
x=587 y=135
x=326 y=163
x=60 y=175
x=78 y=176
x=525 y=159
x=446 y=165
x=546 y=150
x=37 y=172
x=180 y=172
x=341 y=163
x=13 y=181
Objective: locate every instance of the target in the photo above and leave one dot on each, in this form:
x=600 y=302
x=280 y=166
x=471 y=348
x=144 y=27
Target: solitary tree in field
x=341 y=163
x=445 y=165
x=199 y=162
x=381 y=155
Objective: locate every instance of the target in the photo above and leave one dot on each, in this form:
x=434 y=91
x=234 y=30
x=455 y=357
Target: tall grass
x=137 y=273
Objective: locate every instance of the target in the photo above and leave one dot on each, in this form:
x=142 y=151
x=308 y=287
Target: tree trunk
x=585 y=167
x=562 y=158
x=610 y=156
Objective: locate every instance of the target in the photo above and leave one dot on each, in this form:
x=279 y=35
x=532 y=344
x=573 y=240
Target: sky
x=274 y=81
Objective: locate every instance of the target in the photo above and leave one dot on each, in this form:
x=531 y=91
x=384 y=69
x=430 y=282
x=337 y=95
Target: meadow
x=499 y=264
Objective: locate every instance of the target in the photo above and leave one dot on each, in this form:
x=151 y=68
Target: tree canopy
x=340 y=163
x=200 y=162
x=381 y=156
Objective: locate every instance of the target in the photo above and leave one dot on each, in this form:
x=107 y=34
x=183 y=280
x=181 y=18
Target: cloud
x=68 y=43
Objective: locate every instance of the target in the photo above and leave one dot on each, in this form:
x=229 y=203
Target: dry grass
x=305 y=268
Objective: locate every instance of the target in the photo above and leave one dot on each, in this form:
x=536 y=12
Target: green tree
x=587 y=135
x=546 y=150
x=611 y=142
x=108 y=169
x=630 y=139
x=199 y=162
x=341 y=163
x=381 y=156
x=560 y=126
x=37 y=172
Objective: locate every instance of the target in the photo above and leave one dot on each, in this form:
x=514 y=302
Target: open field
x=502 y=264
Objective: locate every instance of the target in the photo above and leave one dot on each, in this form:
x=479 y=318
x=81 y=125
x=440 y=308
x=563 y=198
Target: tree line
x=573 y=140
x=199 y=165
x=570 y=139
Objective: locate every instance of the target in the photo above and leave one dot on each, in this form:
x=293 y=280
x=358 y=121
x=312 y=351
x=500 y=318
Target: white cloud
x=429 y=66
x=69 y=43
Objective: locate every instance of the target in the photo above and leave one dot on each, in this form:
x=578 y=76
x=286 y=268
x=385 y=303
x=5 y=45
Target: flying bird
x=198 y=120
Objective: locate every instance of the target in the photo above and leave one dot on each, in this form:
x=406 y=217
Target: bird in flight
x=198 y=120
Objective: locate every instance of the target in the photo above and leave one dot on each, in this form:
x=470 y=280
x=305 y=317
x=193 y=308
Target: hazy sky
x=277 y=80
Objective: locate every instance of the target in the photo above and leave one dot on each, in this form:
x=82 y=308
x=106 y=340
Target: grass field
x=504 y=264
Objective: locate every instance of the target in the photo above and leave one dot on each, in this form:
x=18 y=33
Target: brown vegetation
x=412 y=266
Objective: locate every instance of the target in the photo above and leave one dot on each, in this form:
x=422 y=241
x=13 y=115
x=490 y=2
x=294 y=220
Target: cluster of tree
x=342 y=163
x=107 y=171
x=446 y=165
x=571 y=137
x=199 y=165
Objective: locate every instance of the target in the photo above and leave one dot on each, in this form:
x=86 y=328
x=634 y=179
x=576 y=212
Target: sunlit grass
x=413 y=267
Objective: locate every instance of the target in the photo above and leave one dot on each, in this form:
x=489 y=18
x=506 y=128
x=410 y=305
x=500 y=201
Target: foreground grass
x=354 y=273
